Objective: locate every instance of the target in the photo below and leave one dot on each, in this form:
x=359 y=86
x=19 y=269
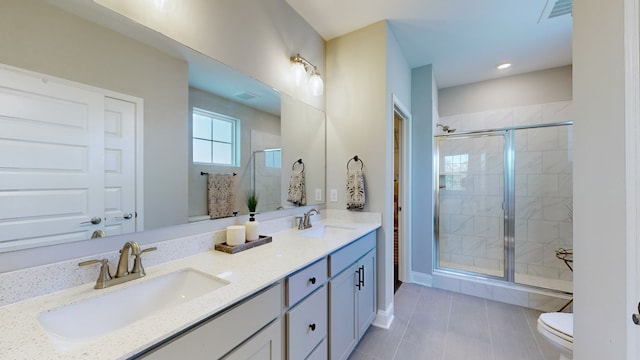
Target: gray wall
x=360 y=122
x=532 y=88
x=602 y=320
x=422 y=96
x=254 y=37
x=356 y=121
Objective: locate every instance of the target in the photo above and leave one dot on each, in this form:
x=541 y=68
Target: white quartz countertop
x=22 y=336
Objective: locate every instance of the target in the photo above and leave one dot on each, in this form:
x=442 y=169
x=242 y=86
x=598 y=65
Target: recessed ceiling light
x=503 y=66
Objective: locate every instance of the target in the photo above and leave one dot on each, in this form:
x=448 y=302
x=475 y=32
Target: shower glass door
x=543 y=206
x=470 y=195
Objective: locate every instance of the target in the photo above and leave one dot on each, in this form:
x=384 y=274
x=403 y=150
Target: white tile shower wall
x=471 y=212
x=508 y=117
x=544 y=201
x=543 y=184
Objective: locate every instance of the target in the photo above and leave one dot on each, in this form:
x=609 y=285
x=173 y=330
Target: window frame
x=234 y=136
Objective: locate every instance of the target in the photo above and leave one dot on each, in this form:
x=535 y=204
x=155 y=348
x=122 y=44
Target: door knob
x=125 y=216
x=94 y=220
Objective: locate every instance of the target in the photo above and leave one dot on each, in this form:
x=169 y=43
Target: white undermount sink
x=326 y=231
x=104 y=313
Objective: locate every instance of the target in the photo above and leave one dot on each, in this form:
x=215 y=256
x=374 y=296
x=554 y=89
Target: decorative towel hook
x=299 y=161
x=356 y=159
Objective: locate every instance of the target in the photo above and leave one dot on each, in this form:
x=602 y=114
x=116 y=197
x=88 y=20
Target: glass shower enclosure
x=504 y=204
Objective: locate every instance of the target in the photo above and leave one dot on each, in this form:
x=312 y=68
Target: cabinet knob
x=312 y=280
x=312 y=327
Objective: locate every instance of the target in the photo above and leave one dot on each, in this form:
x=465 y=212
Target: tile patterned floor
x=442 y=325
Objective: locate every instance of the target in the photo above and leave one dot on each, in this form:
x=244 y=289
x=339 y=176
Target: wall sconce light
x=300 y=68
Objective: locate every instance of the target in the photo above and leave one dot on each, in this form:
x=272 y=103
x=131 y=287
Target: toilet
x=558 y=328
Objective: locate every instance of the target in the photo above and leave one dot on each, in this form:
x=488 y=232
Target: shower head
x=446 y=128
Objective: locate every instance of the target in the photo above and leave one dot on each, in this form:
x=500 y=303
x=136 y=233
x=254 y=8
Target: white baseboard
x=421 y=278
x=384 y=318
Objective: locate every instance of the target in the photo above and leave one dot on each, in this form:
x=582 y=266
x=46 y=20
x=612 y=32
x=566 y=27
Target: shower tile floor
x=438 y=324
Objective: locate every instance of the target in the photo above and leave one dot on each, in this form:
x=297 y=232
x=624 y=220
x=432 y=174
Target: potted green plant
x=252 y=200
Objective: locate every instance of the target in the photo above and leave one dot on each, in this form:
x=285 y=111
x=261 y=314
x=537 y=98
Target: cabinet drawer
x=320 y=352
x=215 y=337
x=349 y=254
x=307 y=325
x=305 y=281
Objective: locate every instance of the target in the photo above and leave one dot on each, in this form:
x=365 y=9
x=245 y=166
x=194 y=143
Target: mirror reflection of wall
x=146 y=65
x=266 y=168
x=303 y=137
x=258 y=130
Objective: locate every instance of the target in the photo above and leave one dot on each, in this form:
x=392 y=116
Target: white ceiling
x=463 y=39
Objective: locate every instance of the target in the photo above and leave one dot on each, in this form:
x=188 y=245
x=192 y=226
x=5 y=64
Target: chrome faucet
x=306 y=223
x=122 y=271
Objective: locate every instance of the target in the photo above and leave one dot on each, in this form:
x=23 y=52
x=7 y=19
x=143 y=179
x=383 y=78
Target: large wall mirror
x=84 y=43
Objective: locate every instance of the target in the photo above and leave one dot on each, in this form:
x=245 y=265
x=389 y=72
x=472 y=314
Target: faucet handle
x=137 y=262
x=104 y=275
x=299 y=222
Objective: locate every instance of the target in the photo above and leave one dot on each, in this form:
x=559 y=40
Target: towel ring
x=356 y=158
x=299 y=161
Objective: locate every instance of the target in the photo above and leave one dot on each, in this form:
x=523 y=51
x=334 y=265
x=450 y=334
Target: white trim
x=421 y=278
x=631 y=133
x=384 y=318
x=404 y=240
x=139 y=164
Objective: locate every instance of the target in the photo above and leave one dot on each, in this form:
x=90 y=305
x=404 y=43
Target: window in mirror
x=215 y=138
x=273 y=158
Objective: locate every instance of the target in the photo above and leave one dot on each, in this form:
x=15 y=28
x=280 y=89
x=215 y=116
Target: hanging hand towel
x=220 y=194
x=355 y=189
x=297 y=190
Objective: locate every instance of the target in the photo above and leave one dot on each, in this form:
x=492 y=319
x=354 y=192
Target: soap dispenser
x=252 y=228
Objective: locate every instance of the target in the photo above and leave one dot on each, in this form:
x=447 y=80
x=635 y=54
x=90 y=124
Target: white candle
x=235 y=235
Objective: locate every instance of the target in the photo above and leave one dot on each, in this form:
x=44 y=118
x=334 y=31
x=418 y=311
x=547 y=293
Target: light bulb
x=316 y=85
x=299 y=72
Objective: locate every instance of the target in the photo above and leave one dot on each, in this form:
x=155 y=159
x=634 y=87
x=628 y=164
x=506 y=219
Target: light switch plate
x=334 y=195
x=318 y=194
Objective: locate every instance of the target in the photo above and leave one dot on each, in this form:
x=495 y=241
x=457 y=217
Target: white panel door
x=51 y=161
x=120 y=166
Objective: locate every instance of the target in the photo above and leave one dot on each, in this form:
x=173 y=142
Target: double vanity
x=309 y=294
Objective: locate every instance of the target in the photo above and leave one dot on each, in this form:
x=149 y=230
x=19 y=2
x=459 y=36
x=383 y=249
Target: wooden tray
x=262 y=239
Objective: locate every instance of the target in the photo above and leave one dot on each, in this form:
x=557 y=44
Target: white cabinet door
x=367 y=292
x=51 y=161
x=343 y=332
x=265 y=345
